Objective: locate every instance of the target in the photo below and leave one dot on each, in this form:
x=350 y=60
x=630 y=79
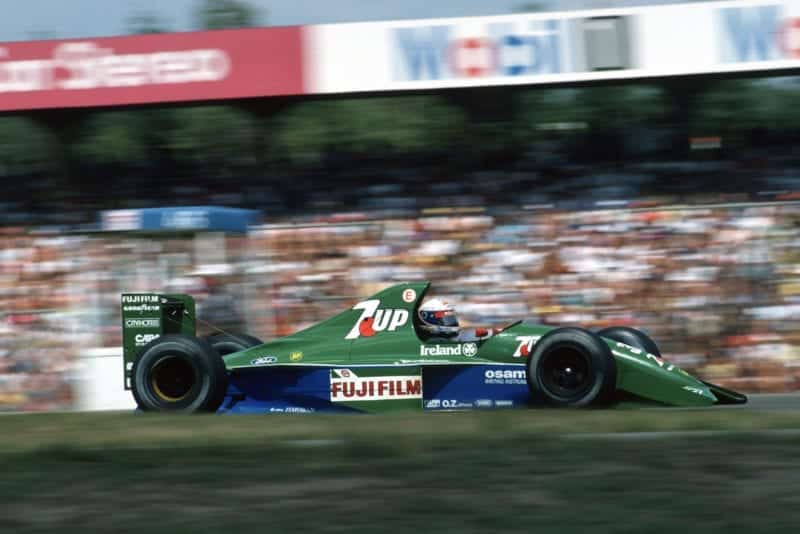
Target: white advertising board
x=545 y=48
x=100 y=385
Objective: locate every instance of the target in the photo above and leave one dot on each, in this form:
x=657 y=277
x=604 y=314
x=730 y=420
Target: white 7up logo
x=661 y=363
x=373 y=320
x=525 y=346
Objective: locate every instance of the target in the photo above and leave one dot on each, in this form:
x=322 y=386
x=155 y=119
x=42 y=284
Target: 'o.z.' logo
x=374 y=320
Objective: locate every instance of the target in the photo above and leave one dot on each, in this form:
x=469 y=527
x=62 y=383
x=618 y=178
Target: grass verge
x=517 y=471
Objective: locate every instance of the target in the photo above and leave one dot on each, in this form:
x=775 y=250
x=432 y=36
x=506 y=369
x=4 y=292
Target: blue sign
x=751 y=34
x=434 y=53
x=181 y=219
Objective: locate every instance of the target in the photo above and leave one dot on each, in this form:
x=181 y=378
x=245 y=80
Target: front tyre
x=572 y=367
x=178 y=373
x=631 y=337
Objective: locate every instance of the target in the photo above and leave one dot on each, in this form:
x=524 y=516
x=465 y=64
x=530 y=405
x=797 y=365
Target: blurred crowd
x=718 y=286
x=38 y=338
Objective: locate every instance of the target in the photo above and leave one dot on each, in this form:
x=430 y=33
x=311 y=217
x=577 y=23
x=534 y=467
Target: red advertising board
x=171 y=67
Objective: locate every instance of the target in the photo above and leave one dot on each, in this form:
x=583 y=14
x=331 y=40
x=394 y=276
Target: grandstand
x=627 y=186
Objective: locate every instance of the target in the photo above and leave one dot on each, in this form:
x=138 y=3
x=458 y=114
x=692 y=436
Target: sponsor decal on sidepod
x=504 y=376
x=449 y=404
x=347 y=387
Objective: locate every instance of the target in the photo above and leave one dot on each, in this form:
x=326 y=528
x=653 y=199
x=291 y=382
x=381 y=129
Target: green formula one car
x=385 y=353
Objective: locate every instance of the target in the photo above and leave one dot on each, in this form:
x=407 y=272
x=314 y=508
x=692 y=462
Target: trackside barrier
x=100 y=383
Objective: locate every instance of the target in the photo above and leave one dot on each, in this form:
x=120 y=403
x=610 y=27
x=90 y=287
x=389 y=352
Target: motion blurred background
x=635 y=165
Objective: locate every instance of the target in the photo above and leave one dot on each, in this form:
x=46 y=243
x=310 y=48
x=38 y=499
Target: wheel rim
x=172 y=378
x=565 y=372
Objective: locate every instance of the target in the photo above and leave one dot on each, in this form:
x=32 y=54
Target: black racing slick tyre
x=229 y=343
x=179 y=373
x=572 y=367
x=631 y=337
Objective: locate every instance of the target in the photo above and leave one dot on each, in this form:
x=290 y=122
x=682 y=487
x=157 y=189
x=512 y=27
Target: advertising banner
x=504 y=50
x=537 y=48
x=546 y=48
x=721 y=37
x=170 y=67
x=757 y=34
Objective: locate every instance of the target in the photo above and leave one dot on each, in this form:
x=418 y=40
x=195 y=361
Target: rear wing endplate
x=146 y=316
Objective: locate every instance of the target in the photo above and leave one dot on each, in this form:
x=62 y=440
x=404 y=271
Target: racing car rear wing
x=146 y=316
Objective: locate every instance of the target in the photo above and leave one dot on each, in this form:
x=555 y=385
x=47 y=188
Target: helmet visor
x=449 y=319
x=440 y=318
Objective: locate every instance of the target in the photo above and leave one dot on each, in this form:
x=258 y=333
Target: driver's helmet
x=438 y=318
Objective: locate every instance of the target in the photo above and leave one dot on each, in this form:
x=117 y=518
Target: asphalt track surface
x=755 y=401
x=763 y=401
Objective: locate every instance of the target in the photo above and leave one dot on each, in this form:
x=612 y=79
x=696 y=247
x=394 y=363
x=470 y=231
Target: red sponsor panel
x=170 y=67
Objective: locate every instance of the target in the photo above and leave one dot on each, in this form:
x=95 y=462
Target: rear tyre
x=572 y=367
x=631 y=337
x=229 y=343
x=178 y=373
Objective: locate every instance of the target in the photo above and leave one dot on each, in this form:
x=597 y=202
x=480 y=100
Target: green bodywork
x=641 y=374
x=380 y=331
